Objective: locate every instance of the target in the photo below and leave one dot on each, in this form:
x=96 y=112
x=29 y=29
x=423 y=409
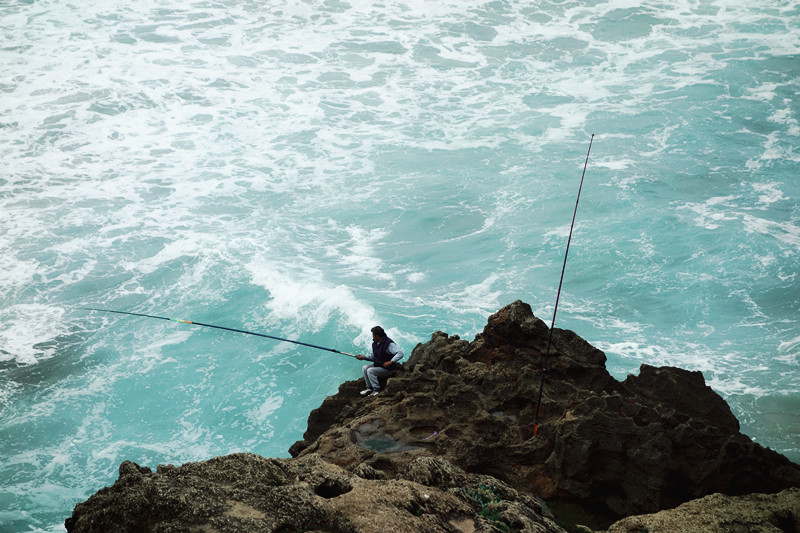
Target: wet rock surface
x=449 y=445
x=650 y=442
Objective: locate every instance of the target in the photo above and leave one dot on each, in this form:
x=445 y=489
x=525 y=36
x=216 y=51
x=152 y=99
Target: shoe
x=375 y=393
x=366 y=392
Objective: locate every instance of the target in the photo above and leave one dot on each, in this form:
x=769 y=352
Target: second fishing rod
x=558 y=294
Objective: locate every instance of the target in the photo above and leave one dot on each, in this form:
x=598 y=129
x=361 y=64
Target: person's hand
x=387 y=364
x=360 y=357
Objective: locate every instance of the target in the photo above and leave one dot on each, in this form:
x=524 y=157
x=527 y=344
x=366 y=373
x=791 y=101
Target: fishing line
x=558 y=294
x=219 y=327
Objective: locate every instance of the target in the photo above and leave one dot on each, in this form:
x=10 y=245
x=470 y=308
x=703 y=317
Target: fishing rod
x=219 y=327
x=558 y=294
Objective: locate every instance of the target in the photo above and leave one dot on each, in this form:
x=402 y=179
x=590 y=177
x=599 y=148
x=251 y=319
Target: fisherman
x=385 y=355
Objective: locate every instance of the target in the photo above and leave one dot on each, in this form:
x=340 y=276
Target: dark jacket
x=381 y=354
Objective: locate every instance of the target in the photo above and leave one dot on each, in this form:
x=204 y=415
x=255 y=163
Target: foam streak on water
x=309 y=169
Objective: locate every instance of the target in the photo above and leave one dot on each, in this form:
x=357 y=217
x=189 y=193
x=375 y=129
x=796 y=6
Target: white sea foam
x=480 y=298
x=15 y=274
x=171 y=251
x=360 y=255
x=789 y=352
x=561 y=233
x=306 y=294
x=774 y=148
x=712 y=213
x=149 y=354
x=30 y=332
x=719 y=371
x=734 y=386
x=786 y=232
x=785 y=116
x=616 y=164
x=262 y=413
x=769 y=193
x=789 y=345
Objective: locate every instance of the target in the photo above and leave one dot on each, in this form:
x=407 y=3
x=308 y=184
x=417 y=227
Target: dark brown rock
x=754 y=513
x=450 y=445
x=651 y=442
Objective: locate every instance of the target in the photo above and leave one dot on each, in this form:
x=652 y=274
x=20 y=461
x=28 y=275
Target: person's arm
x=396 y=352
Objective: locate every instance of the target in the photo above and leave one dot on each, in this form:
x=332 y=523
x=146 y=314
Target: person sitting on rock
x=385 y=355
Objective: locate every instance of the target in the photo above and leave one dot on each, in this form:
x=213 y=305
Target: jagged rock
x=755 y=513
x=450 y=445
x=648 y=443
x=245 y=493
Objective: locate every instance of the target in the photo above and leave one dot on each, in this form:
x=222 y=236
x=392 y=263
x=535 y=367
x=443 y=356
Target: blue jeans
x=372 y=373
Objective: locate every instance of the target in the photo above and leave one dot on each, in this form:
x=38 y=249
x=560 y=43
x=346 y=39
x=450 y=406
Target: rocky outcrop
x=755 y=513
x=245 y=493
x=451 y=445
x=648 y=443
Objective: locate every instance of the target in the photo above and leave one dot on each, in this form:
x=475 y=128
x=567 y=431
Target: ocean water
x=311 y=168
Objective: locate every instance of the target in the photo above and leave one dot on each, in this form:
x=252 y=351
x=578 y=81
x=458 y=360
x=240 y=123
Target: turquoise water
x=309 y=169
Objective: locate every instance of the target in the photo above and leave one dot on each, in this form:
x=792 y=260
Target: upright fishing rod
x=220 y=327
x=558 y=294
